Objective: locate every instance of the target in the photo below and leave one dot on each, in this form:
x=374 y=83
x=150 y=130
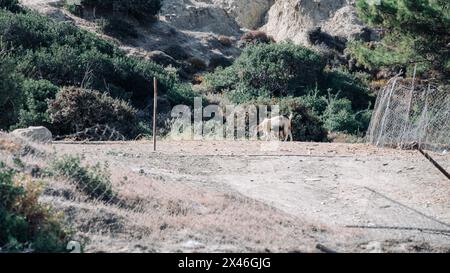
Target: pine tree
x=417 y=32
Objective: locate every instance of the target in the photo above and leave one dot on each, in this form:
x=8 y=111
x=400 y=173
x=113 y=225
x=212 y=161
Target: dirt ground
x=264 y=196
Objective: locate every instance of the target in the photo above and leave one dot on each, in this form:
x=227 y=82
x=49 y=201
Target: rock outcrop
x=291 y=19
x=38 y=134
x=195 y=29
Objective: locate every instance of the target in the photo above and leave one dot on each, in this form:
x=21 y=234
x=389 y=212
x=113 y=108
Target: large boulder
x=38 y=134
x=249 y=14
x=291 y=19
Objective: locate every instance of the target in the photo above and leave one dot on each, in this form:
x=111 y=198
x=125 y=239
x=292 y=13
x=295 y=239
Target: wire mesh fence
x=411 y=112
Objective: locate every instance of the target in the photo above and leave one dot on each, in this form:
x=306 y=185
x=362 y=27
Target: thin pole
x=155 y=105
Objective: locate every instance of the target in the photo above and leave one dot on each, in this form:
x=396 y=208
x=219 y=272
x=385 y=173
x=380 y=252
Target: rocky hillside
x=196 y=34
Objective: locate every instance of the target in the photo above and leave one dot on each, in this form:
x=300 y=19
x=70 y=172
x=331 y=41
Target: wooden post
x=155 y=105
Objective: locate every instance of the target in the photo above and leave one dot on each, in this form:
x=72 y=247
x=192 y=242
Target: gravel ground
x=264 y=196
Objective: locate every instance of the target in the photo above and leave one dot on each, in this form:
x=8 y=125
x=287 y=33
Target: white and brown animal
x=279 y=124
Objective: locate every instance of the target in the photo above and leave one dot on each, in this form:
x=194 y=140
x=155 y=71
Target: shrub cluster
x=136 y=8
x=11 y=5
x=277 y=71
x=118 y=28
x=306 y=126
x=75 y=109
x=94 y=181
x=25 y=223
x=416 y=32
x=47 y=53
x=273 y=69
x=37 y=94
x=10 y=91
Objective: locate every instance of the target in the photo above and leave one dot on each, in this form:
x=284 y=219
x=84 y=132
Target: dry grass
x=158 y=215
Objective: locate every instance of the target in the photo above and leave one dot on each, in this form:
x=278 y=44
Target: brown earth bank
x=250 y=196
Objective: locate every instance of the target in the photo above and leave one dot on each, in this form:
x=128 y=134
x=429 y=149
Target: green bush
x=136 y=8
x=339 y=117
x=10 y=91
x=24 y=222
x=306 y=126
x=65 y=55
x=37 y=94
x=75 y=109
x=117 y=27
x=417 y=32
x=347 y=85
x=277 y=69
x=40 y=48
x=315 y=102
x=94 y=181
x=11 y=5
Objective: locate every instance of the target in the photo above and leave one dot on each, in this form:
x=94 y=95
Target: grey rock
x=38 y=134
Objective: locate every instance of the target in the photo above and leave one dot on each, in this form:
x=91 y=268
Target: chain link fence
x=410 y=112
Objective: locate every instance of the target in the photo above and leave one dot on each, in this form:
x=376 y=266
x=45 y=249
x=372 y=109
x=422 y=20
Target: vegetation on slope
x=417 y=32
x=296 y=76
x=55 y=54
x=25 y=223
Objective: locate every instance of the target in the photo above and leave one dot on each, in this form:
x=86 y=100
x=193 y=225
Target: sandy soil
x=259 y=196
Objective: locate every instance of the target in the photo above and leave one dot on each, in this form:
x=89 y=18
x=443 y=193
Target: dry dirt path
x=396 y=200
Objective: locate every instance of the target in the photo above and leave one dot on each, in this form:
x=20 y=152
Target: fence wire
x=411 y=112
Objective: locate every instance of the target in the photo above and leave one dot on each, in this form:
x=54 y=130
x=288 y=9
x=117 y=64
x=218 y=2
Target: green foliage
x=119 y=28
x=337 y=113
x=10 y=91
x=24 y=222
x=75 y=109
x=418 y=31
x=42 y=49
x=94 y=181
x=315 y=102
x=273 y=69
x=347 y=85
x=136 y=8
x=305 y=124
x=36 y=97
x=11 y=5
x=339 y=117
x=66 y=55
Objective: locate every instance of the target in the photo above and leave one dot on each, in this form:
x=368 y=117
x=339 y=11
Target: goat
x=283 y=124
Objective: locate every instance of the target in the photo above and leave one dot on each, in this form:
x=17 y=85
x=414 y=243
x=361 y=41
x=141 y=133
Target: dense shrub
x=306 y=125
x=315 y=102
x=65 y=55
x=75 y=109
x=136 y=8
x=10 y=92
x=339 y=117
x=417 y=32
x=94 y=181
x=42 y=49
x=118 y=28
x=24 y=222
x=347 y=85
x=35 y=104
x=11 y=5
x=275 y=69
